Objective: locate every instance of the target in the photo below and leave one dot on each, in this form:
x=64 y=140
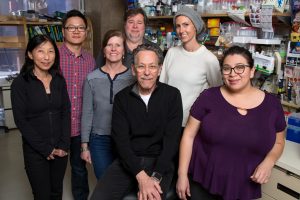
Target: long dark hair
x=34 y=43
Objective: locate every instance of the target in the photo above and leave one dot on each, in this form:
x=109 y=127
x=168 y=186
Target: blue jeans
x=79 y=174
x=102 y=153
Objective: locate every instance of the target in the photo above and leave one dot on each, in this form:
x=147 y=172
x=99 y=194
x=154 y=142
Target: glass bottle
x=174 y=7
x=159 y=8
x=162 y=38
x=168 y=8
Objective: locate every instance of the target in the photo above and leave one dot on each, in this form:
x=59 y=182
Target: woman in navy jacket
x=41 y=109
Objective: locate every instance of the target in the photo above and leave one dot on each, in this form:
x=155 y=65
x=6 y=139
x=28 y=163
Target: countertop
x=290 y=158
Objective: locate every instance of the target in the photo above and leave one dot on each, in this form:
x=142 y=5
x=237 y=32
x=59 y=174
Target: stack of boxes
x=213 y=25
x=293 y=128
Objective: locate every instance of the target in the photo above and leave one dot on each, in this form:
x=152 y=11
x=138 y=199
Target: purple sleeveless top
x=229 y=146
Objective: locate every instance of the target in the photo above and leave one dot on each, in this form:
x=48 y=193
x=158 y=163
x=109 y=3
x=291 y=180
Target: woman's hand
x=60 y=153
x=262 y=172
x=57 y=152
x=183 y=187
x=86 y=156
x=51 y=156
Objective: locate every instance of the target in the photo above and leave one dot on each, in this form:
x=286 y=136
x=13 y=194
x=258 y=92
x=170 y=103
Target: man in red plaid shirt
x=76 y=63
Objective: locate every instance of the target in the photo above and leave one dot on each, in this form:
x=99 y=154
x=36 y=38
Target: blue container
x=131 y=4
x=294 y=119
x=293 y=133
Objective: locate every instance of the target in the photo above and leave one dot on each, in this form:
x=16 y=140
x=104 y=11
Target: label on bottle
x=174 y=8
x=158 y=7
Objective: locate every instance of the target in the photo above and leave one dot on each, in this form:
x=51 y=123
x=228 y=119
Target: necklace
x=45 y=80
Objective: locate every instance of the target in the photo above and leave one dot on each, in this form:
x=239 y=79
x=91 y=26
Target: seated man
x=146 y=128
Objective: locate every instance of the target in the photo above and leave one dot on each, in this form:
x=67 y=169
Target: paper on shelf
x=238 y=16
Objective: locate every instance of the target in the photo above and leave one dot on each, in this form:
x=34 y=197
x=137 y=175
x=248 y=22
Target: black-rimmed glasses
x=73 y=28
x=238 y=69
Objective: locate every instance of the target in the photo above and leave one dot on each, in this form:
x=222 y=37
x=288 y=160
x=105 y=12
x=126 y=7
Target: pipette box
x=293 y=128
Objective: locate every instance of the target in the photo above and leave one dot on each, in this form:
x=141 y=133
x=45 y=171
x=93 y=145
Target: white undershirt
x=146 y=98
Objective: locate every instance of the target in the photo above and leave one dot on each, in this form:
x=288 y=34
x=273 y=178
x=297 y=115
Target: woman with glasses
x=233 y=138
x=99 y=90
x=41 y=109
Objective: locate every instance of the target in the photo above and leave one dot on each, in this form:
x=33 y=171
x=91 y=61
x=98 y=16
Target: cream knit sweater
x=191 y=73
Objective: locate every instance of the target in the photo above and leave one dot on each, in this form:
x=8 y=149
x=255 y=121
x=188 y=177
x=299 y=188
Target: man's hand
x=149 y=189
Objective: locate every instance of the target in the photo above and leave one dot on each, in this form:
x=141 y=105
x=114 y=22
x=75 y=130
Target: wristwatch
x=83 y=149
x=156 y=176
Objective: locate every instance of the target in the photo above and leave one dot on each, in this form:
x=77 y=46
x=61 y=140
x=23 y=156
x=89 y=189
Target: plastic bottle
x=174 y=39
x=154 y=38
x=201 y=6
x=209 y=6
x=224 y=5
x=148 y=33
x=169 y=40
x=289 y=91
x=132 y=4
x=282 y=51
x=152 y=11
x=216 y=4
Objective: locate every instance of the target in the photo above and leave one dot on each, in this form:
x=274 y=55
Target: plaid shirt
x=75 y=71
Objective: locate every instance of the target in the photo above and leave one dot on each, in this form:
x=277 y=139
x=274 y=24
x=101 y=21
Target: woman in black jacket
x=41 y=109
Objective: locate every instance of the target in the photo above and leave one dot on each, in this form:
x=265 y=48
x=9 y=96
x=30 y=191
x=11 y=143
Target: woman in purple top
x=234 y=136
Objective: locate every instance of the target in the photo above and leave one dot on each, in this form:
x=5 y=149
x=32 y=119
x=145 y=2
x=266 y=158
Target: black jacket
x=44 y=121
x=148 y=131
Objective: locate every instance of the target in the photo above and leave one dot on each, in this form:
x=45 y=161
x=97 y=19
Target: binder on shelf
x=43 y=29
x=56 y=33
x=30 y=32
x=52 y=33
x=38 y=30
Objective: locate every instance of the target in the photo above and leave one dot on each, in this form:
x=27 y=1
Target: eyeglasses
x=73 y=28
x=238 y=69
x=142 y=68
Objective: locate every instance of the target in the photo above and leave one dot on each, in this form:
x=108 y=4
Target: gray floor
x=13 y=181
